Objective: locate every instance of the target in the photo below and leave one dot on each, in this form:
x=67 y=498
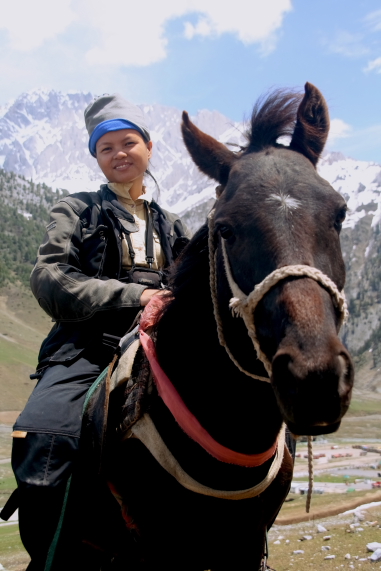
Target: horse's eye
x=226 y=232
x=340 y=217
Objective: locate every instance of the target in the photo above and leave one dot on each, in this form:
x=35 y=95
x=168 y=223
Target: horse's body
x=273 y=210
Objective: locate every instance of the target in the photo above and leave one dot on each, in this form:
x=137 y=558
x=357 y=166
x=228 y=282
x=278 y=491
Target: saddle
x=129 y=376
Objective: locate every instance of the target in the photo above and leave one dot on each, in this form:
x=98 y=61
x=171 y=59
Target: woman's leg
x=44 y=459
x=39 y=513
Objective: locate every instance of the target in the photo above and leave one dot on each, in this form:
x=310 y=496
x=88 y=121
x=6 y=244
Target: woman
x=102 y=259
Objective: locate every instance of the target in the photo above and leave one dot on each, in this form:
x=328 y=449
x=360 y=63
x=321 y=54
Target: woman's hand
x=149 y=293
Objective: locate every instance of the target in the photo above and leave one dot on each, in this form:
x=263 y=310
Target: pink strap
x=153 y=310
x=189 y=423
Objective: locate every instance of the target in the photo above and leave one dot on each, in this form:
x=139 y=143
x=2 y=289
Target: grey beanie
x=112 y=113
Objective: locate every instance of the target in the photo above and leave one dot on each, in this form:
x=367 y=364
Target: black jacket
x=79 y=263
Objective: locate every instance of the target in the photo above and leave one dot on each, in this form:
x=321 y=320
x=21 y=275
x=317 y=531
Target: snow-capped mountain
x=42 y=137
x=360 y=184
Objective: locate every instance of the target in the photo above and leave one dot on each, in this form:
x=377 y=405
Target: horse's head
x=274 y=210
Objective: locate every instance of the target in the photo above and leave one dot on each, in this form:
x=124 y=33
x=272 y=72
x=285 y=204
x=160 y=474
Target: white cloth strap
x=145 y=431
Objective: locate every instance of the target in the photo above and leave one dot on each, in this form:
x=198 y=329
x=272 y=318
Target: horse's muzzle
x=313 y=393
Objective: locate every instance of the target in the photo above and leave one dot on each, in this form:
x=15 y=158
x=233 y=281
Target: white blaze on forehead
x=286 y=202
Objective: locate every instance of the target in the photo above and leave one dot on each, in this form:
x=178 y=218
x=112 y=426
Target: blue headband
x=106 y=127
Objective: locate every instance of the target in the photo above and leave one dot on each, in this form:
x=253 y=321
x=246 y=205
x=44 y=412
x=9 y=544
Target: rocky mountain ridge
x=43 y=137
x=360 y=184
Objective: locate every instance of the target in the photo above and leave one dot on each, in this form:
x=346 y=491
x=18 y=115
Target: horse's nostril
x=294 y=376
x=345 y=370
x=343 y=364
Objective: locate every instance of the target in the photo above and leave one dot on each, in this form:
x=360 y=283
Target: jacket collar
x=160 y=221
x=117 y=207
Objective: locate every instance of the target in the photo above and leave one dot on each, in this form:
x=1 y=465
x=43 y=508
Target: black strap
x=130 y=249
x=150 y=256
x=110 y=340
x=11 y=506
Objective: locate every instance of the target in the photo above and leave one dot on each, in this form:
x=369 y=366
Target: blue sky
x=195 y=54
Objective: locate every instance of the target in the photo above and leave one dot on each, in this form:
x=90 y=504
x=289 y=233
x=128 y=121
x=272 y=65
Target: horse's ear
x=312 y=124
x=211 y=156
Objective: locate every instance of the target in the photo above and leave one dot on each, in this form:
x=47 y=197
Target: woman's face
x=123 y=155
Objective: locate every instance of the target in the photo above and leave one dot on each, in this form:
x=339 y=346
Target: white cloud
x=374 y=65
x=252 y=21
x=136 y=36
x=347 y=44
x=30 y=22
x=128 y=34
x=374 y=20
x=202 y=28
x=339 y=129
x=363 y=144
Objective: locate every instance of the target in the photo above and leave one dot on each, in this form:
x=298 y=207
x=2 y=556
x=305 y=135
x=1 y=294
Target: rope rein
x=243 y=305
x=213 y=290
x=310 y=473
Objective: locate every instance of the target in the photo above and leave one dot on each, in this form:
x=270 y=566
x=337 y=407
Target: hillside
x=23 y=326
x=24 y=212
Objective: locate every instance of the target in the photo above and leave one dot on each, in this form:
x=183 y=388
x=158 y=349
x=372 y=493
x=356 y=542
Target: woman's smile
x=122 y=166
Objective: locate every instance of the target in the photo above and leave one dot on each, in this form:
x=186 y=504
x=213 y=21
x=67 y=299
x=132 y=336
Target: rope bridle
x=243 y=305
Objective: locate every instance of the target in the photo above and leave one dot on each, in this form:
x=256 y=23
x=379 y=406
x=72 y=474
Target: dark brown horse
x=273 y=210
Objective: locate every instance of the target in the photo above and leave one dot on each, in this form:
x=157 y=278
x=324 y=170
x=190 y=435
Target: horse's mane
x=185 y=273
x=273 y=116
x=187 y=267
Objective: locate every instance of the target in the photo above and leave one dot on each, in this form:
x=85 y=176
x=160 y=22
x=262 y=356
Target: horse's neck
x=239 y=412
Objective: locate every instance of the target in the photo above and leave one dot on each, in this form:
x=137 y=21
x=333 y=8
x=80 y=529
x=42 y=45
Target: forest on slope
x=24 y=214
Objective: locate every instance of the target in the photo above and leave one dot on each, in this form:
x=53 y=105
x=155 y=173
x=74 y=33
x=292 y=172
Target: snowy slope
x=43 y=137
x=358 y=181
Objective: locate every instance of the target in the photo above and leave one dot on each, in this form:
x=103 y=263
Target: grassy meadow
x=23 y=326
x=344 y=541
